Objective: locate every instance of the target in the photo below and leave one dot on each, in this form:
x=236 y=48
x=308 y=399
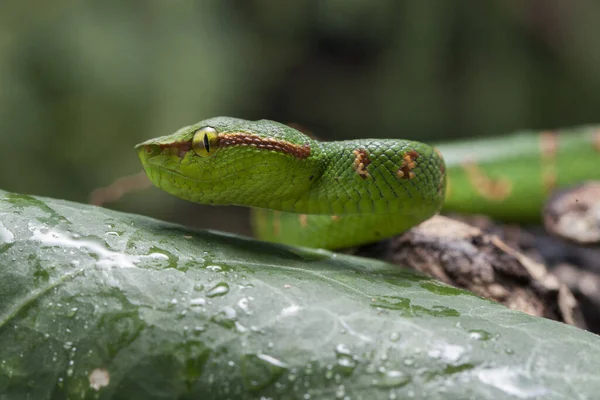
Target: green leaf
x=100 y=304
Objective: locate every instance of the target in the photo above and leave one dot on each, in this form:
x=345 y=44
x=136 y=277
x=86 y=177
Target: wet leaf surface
x=99 y=304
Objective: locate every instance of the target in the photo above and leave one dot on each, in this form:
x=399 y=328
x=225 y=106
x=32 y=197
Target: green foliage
x=100 y=304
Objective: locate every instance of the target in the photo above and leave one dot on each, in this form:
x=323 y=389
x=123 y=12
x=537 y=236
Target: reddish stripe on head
x=247 y=139
x=182 y=147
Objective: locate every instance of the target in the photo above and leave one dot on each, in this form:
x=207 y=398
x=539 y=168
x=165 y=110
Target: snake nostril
x=148 y=150
x=151 y=150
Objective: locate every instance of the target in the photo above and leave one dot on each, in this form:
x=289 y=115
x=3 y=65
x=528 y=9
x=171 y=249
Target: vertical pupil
x=206 y=143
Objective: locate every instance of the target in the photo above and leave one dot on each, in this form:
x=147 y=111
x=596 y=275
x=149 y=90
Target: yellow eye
x=205 y=141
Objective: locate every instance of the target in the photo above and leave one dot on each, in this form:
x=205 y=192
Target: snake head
x=232 y=161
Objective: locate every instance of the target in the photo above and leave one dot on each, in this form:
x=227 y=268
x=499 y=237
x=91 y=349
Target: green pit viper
x=345 y=193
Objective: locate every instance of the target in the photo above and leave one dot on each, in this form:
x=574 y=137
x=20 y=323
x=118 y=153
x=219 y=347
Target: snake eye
x=205 y=141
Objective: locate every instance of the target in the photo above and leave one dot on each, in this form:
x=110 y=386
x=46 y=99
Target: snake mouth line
x=160 y=168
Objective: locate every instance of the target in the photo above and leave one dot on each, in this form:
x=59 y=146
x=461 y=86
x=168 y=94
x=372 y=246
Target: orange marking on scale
x=409 y=162
x=335 y=218
x=303 y=218
x=491 y=189
x=548 y=149
x=361 y=162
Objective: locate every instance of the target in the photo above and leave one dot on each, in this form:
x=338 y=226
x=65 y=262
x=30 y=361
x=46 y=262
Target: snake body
x=344 y=193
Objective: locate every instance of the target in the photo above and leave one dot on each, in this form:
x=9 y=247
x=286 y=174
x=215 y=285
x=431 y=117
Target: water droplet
x=394 y=336
x=393 y=379
x=227 y=318
x=345 y=365
x=198 y=287
x=243 y=305
x=261 y=370
x=345 y=361
x=329 y=372
x=290 y=311
x=450 y=353
x=106 y=258
x=198 y=330
x=6 y=236
x=435 y=354
x=477 y=334
x=245 y=285
x=72 y=312
x=198 y=302
x=214 y=268
x=406 y=309
x=240 y=328
x=292 y=375
x=220 y=289
x=342 y=349
x=340 y=392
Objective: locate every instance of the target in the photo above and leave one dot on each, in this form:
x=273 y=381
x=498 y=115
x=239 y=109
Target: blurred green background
x=81 y=82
